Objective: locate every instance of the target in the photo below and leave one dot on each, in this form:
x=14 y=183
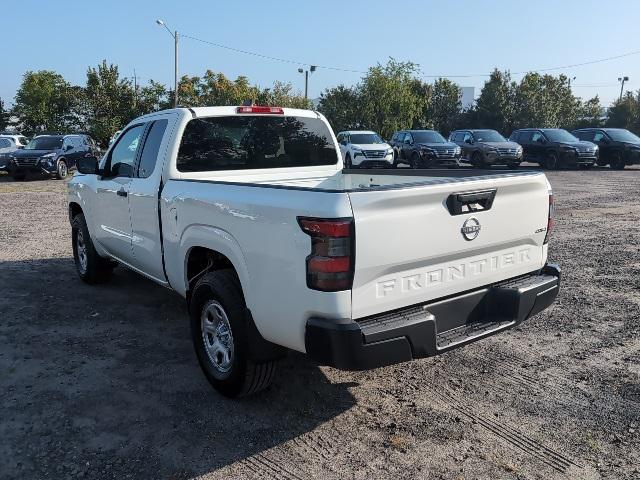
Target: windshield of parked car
x=365 y=138
x=621 y=135
x=559 y=135
x=249 y=142
x=44 y=143
x=488 y=136
x=427 y=137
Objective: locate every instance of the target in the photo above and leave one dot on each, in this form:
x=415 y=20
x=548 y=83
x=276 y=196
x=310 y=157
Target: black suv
x=424 y=149
x=554 y=148
x=51 y=155
x=618 y=147
x=483 y=148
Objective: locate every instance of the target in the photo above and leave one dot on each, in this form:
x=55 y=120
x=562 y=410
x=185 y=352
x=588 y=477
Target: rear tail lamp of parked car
x=551 y=221
x=260 y=109
x=330 y=264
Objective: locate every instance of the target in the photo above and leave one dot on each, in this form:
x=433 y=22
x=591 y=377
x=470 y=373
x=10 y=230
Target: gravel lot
x=102 y=382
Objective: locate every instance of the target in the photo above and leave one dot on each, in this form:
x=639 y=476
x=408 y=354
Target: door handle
x=122 y=192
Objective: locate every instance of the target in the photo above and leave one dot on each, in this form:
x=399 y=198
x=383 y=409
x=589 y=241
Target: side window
x=4 y=143
x=407 y=138
x=151 y=148
x=123 y=154
x=537 y=137
x=67 y=144
x=467 y=137
x=597 y=137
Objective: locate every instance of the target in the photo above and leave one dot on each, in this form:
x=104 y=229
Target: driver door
x=114 y=230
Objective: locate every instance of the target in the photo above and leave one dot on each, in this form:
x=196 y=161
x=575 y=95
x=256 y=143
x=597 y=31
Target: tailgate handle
x=470 y=202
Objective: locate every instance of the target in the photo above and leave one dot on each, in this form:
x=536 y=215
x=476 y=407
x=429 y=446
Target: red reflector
x=260 y=109
x=328 y=228
x=329 y=264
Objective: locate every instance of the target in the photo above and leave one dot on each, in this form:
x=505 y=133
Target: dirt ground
x=102 y=382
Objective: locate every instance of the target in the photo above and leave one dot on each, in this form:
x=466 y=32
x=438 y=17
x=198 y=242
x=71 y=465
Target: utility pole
x=135 y=89
x=622 y=80
x=312 y=68
x=571 y=79
x=175 y=60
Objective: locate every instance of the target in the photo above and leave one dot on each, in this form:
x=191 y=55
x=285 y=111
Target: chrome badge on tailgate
x=437 y=276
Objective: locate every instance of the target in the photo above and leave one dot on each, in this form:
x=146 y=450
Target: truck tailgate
x=410 y=247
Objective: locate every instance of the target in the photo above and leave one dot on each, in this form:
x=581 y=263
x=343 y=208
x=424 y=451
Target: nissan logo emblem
x=470 y=229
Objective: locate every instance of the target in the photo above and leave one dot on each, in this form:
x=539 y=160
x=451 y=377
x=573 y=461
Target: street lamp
x=312 y=68
x=622 y=80
x=175 y=60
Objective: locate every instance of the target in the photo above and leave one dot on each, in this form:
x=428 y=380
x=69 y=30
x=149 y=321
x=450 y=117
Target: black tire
x=415 y=161
x=477 y=161
x=221 y=290
x=513 y=165
x=91 y=267
x=617 y=162
x=347 y=161
x=19 y=178
x=551 y=161
x=62 y=170
x=395 y=159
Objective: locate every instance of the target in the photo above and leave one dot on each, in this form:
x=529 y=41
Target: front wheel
x=617 y=162
x=219 y=330
x=551 y=162
x=62 y=170
x=91 y=267
x=415 y=162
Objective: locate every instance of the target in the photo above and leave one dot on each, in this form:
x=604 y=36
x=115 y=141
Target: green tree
x=445 y=106
x=494 y=107
x=109 y=101
x=388 y=97
x=151 y=98
x=341 y=106
x=43 y=102
x=282 y=95
x=625 y=112
x=590 y=114
x=4 y=116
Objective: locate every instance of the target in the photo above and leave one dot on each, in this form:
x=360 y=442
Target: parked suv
x=484 y=148
x=364 y=149
x=554 y=148
x=618 y=147
x=51 y=155
x=7 y=147
x=20 y=141
x=424 y=149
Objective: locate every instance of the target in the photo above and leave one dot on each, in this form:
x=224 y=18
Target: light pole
x=175 y=61
x=622 y=80
x=571 y=79
x=312 y=68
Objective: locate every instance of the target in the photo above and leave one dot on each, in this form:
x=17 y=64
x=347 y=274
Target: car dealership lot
x=103 y=382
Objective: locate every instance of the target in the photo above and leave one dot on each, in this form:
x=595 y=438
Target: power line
x=424 y=75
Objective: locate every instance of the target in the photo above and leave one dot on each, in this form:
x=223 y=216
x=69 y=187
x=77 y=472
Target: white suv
x=19 y=141
x=363 y=148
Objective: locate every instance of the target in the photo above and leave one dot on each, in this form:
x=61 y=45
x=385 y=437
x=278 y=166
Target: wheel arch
x=74 y=209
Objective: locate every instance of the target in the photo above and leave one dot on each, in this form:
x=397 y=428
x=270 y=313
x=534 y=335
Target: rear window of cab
x=252 y=142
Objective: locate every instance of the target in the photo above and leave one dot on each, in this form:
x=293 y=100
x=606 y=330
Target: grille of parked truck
x=248 y=214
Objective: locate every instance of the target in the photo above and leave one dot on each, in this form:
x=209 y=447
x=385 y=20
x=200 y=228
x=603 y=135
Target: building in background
x=468 y=97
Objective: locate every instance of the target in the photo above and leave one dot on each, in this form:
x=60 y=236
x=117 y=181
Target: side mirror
x=88 y=165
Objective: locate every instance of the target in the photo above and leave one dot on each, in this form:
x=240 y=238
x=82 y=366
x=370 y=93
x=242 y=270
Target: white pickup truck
x=248 y=213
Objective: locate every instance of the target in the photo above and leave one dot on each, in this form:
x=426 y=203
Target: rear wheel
x=61 y=170
x=617 y=162
x=91 y=267
x=219 y=329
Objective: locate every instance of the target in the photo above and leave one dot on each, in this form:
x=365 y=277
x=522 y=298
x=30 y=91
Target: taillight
x=330 y=264
x=551 y=220
x=260 y=109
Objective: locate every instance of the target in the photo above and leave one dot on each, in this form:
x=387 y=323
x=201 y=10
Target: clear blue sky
x=444 y=37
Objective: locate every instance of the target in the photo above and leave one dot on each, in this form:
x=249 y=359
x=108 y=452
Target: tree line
x=392 y=97
x=389 y=97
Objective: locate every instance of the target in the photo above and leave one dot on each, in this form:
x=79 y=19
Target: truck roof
x=199 y=112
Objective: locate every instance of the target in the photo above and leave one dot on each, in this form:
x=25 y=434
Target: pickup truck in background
x=248 y=214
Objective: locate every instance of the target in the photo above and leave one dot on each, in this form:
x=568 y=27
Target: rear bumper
x=430 y=329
